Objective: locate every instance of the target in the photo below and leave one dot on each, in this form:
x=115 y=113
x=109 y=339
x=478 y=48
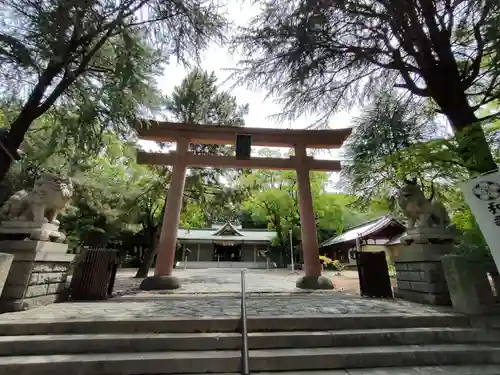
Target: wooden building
x=225 y=245
x=381 y=234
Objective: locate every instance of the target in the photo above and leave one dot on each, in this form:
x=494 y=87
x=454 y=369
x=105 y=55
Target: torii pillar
x=163 y=278
x=312 y=278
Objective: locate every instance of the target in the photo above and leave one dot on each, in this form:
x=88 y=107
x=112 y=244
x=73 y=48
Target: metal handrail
x=244 y=328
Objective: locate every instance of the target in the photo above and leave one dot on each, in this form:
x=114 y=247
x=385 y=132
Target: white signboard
x=483 y=197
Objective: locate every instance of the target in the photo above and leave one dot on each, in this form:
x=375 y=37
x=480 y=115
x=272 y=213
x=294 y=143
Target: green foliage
x=323 y=56
x=386 y=149
x=470 y=241
x=331 y=265
x=392 y=270
x=93 y=65
x=396 y=140
x=199 y=100
x=273 y=198
x=192 y=216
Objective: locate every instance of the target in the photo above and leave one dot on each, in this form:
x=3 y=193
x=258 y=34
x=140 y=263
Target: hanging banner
x=482 y=194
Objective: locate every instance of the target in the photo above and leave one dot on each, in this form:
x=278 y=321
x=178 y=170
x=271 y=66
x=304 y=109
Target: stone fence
x=473 y=286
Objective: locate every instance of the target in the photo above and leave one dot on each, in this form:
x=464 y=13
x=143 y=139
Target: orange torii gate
x=181 y=158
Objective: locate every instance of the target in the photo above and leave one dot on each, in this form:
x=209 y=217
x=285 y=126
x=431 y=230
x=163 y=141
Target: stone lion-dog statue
x=420 y=211
x=41 y=204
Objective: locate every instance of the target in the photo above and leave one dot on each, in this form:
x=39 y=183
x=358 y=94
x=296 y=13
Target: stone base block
x=37 y=275
x=160 y=283
x=428 y=236
x=29 y=303
x=38 y=231
x=470 y=289
x=422 y=282
x=314 y=282
x=419 y=274
x=5 y=264
x=417 y=252
x=425 y=298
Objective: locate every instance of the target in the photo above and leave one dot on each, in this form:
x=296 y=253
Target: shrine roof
x=384 y=227
x=227 y=232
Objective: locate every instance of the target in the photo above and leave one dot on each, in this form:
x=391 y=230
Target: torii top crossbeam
x=214 y=134
x=226 y=135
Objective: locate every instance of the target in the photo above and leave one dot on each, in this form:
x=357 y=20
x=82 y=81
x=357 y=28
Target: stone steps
x=422 y=370
x=189 y=362
x=231 y=324
x=277 y=344
x=156 y=342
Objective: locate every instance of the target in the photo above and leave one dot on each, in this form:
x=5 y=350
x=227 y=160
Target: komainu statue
x=41 y=204
x=420 y=211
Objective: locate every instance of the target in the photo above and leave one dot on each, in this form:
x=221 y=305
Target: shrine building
x=225 y=245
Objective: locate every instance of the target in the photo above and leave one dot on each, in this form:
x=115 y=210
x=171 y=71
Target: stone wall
x=37 y=276
x=422 y=282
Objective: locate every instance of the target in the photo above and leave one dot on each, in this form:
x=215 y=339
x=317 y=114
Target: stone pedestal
x=419 y=273
x=469 y=287
x=5 y=263
x=39 y=269
x=39 y=231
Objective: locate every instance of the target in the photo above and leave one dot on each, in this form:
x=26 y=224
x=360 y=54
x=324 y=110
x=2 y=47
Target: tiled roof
x=226 y=233
x=226 y=230
x=363 y=230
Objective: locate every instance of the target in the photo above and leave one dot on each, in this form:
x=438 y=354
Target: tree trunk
x=147 y=262
x=18 y=129
x=5 y=163
x=474 y=150
x=149 y=255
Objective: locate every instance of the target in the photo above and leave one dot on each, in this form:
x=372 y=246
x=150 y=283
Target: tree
x=274 y=198
x=92 y=59
x=412 y=149
x=100 y=209
x=321 y=55
x=396 y=140
x=115 y=198
x=198 y=100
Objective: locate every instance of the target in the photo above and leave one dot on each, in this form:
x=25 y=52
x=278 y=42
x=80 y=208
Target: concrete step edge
x=221 y=324
x=260 y=361
x=274 y=353
x=224 y=354
x=414 y=370
x=219 y=335
x=225 y=318
x=143 y=343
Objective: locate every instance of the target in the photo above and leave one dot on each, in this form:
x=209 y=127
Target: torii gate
x=181 y=158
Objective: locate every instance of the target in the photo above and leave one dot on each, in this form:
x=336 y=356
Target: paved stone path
x=227 y=281
x=216 y=292
x=165 y=306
